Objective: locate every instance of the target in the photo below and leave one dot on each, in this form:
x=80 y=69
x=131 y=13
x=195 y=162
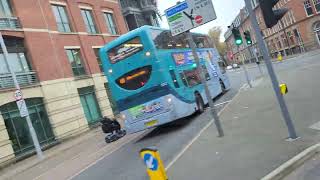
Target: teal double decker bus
x=153 y=77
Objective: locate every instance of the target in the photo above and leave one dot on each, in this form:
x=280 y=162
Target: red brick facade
x=46 y=46
x=298 y=35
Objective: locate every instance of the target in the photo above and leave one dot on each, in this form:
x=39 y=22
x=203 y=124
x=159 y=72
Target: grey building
x=140 y=12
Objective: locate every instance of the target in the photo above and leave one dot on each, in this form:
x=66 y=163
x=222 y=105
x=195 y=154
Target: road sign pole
x=244 y=68
x=204 y=82
x=254 y=51
x=31 y=129
x=273 y=77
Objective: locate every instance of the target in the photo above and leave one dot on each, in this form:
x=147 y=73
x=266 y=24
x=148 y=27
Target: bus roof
x=132 y=33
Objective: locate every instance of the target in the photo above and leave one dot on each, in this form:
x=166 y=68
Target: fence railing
x=24 y=79
x=9 y=23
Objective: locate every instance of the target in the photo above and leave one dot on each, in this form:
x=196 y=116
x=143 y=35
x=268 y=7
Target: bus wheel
x=223 y=87
x=200 y=104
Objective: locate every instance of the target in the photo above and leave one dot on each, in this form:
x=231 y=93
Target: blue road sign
x=151 y=162
x=176 y=9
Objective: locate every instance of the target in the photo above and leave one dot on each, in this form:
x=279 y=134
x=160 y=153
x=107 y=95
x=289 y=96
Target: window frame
x=307 y=5
x=316 y=4
x=112 y=27
x=96 y=52
x=62 y=23
x=76 y=67
x=90 y=28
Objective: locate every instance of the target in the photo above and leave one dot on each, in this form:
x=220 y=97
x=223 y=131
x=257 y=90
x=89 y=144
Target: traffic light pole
x=29 y=122
x=204 y=82
x=273 y=77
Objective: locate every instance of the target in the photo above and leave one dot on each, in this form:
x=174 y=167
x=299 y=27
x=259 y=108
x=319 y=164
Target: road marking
x=222 y=103
x=199 y=134
x=315 y=126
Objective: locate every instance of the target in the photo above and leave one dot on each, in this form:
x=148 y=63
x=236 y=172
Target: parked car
x=229 y=67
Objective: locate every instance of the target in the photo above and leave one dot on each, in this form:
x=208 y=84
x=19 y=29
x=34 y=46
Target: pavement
x=254 y=144
x=66 y=159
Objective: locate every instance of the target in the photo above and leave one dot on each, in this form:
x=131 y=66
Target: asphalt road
x=125 y=163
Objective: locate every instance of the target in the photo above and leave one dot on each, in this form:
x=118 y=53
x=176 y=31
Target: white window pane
x=15 y=62
x=3 y=67
x=24 y=62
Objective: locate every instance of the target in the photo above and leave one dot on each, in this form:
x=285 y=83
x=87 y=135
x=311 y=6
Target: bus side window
x=174 y=79
x=184 y=81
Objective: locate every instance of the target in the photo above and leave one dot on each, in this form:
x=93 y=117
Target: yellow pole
x=155 y=167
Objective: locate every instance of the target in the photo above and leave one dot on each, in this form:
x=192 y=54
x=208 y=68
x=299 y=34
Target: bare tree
x=215 y=34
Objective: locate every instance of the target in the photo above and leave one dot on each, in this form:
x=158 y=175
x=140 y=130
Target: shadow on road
x=169 y=128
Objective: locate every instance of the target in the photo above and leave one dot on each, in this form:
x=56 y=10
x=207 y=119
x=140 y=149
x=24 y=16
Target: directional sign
x=18 y=95
x=190 y=14
x=151 y=162
x=155 y=167
x=22 y=108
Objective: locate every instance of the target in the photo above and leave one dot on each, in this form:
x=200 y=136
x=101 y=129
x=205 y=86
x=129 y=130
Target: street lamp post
x=31 y=129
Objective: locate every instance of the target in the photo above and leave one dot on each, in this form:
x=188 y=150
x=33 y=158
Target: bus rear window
x=135 y=79
x=125 y=50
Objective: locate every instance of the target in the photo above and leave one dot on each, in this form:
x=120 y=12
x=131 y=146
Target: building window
x=90 y=104
x=61 y=18
x=317 y=5
x=96 y=52
x=18 y=129
x=89 y=21
x=308 y=7
x=17 y=62
x=110 y=23
x=5 y=9
x=75 y=60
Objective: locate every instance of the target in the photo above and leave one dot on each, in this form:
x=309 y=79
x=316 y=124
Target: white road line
x=198 y=135
x=222 y=103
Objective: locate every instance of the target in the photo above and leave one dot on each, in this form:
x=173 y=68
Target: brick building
x=53 y=47
x=298 y=31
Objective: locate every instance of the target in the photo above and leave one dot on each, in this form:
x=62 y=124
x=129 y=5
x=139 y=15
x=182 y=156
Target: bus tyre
x=200 y=104
x=223 y=87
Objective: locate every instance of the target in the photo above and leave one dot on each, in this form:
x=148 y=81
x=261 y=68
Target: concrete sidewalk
x=255 y=143
x=66 y=159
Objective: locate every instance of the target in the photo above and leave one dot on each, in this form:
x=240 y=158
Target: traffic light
x=247 y=37
x=271 y=17
x=237 y=36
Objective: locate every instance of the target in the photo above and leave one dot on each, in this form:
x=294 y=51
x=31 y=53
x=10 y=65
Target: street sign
x=155 y=167
x=151 y=162
x=190 y=14
x=22 y=108
x=18 y=95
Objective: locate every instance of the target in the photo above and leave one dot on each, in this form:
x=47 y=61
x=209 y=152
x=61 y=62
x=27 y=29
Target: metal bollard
x=152 y=160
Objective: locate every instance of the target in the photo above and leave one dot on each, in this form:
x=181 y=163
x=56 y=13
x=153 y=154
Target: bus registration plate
x=151 y=123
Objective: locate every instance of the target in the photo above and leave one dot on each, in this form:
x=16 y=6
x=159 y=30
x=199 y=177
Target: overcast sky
x=226 y=12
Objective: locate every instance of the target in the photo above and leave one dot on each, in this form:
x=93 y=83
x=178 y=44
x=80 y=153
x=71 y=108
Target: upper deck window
x=164 y=40
x=125 y=50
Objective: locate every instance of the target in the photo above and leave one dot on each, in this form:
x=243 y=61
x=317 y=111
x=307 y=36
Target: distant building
x=140 y=12
x=298 y=30
x=53 y=48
